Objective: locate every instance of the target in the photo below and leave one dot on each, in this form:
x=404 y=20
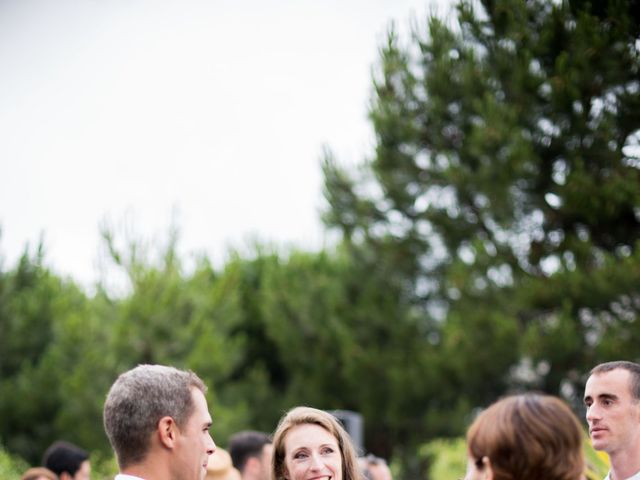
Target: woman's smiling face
x=312 y=453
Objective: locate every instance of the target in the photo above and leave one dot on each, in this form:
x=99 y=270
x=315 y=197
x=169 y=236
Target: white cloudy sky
x=211 y=112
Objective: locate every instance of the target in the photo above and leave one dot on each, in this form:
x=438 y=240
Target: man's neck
x=251 y=474
x=147 y=471
x=624 y=464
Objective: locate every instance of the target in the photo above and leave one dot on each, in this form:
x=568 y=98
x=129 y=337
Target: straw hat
x=39 y=473
x=220 y=467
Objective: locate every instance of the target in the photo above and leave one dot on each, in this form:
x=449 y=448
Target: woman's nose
x=316 y=461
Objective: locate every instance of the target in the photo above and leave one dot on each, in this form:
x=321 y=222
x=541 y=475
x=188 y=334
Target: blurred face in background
x=380 y=471
x=84 y=472
x=265 y=461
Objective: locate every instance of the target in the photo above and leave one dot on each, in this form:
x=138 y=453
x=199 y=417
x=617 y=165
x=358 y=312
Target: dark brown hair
x=245 y=445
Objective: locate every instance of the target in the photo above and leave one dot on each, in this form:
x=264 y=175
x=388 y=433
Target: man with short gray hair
x=157 y=420
x=612 y=398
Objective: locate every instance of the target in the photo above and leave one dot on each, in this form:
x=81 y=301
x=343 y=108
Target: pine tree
x=505 y=189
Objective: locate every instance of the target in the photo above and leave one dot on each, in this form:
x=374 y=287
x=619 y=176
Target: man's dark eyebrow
x=602 y=396
x=607 y=396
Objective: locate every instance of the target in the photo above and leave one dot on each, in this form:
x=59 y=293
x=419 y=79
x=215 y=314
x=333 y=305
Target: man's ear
x=65 y=476
x=252 y=466
x=167 y=432
x=636 y=406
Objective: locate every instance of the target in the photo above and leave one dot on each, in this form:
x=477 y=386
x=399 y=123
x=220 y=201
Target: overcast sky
x=211 y=113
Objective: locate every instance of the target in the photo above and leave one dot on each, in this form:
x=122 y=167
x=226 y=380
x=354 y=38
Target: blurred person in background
x=67 y=461
x=311 y=443
x=251 y=453
x=525 y=437
x=220 y=467
x=374 y=468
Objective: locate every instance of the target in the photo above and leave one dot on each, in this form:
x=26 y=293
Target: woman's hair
x=527 y=437
x=307 y=415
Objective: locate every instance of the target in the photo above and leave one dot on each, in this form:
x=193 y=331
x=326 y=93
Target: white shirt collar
x=633 y=477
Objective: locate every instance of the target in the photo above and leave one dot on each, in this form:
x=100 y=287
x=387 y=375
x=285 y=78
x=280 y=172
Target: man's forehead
x=614 y=381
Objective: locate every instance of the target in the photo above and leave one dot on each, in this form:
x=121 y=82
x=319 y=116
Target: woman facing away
x=525 y=437
x=311 y=443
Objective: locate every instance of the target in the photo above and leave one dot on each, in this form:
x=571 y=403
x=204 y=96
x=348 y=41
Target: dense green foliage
x=265 y=332
x=11 y=467
x=490 y=245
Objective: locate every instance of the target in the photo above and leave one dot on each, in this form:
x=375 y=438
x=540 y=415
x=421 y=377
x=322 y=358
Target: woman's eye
x=327 y=450
x=299 y=455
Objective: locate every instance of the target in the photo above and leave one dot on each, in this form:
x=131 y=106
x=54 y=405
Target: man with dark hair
x=67 y=461
x=251 y=454
x=612 y=398
x=157 y=421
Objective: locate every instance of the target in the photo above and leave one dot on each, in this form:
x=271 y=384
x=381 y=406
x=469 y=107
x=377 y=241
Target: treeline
x=266 y=333
x=489 y=245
